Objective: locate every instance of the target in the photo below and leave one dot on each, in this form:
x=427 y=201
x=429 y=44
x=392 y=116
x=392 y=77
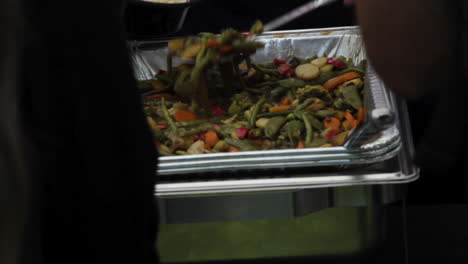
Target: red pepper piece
x=336 y=63
x=161 y=72
x=241 y=132
x=162 y=127
x=286 y=70
x=279 y=61
x=252 y=136
x=217 y=111
x=330 y=134
x=246 y=34
x=200 y=136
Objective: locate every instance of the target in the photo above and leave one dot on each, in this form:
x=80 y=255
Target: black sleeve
x=94 y=152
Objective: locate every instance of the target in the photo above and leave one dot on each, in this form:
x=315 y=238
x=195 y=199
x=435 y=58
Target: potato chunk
x=307 y=71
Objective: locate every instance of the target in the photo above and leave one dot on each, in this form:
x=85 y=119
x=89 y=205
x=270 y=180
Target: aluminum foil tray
x=377 y=139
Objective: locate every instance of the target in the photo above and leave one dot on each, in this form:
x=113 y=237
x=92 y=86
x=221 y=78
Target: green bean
x=253 y=116
x=294 y=130
x=317 y=142
x=315 y=123
x=244 y=145
x=273 y=114
x=308 y=60
x=291 y=94
x=167 y=116
x=195 y=131
x=183 y=85
x=308 y=127
x=352 y=69
x=324 y=113
x=197 y=122
x=306 y=103
x=292 y=83
x=265 y=71
x=341 y=104
x=267 y=83
x=243 y=46
x=277 y=93
x=198 y=95
x=267 y=65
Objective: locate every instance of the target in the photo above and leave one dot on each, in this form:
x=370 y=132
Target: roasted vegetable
x=334 y=82
x=167 y=116
x=325 y=113
x=244 y=145
x=352 y=97
x=221 y=101
x=291 y=83
x=308 y=126
x=253 y=116
x=319 y=62
x=307 y=71
x=294 y=130
x=274 y=125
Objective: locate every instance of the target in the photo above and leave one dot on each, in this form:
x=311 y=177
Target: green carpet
x=334 y=231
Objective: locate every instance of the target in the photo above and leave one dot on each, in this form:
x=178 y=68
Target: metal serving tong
x=296 y=13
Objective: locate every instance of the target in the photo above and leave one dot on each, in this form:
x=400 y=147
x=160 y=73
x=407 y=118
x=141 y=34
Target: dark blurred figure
x=91 y=156
x=420 y=49
x=14 y=181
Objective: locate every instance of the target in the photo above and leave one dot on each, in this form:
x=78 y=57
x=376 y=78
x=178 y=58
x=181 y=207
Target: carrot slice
x=332 y=122
x=211 y=138
x=285 y=101
x=300 y=145
x=184 y=115
x=348 y=116
x=281 y=108
x=233 y=149
x=335 y=82
x=212 y=43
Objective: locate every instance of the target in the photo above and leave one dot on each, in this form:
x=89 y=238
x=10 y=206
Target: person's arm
x=408 y=42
